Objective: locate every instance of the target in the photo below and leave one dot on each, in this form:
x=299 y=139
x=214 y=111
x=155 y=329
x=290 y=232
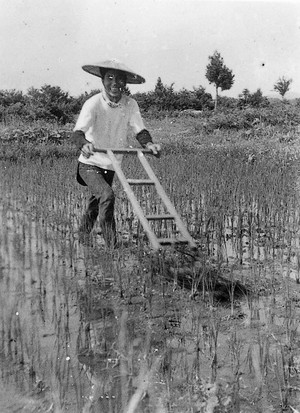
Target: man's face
x=114 y=83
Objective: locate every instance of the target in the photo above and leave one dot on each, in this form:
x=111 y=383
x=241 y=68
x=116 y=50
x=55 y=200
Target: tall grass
x=85 y=330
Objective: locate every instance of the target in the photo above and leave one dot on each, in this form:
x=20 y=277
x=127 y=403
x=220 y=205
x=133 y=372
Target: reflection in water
x=86 y=333
x=101 y=363
x=99 y=351
x=67 y=342
x=116 y=349
x=38 y=317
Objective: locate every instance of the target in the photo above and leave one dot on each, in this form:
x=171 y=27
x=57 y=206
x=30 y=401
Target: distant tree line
x=51 y=103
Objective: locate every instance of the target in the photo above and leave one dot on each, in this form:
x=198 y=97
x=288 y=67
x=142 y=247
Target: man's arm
x=145 y=140
x=83 y=145
x=78 y=138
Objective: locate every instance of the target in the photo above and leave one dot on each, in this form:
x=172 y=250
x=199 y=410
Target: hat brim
x=131 y=77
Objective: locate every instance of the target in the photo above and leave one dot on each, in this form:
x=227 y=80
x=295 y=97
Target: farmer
x=105 y=121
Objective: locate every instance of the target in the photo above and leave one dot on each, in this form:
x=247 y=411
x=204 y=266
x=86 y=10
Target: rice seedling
x=83 y=329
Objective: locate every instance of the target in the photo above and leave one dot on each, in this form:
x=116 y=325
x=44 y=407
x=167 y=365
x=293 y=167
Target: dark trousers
x=101 y=203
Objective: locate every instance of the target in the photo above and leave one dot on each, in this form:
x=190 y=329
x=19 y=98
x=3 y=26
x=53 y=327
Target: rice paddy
x=84 y=329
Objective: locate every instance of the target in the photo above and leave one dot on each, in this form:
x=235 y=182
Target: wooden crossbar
x=156 y=243
x=140 y=182
x=158 y=217
x=171 y=209
x=134 y=202
x=124 y=151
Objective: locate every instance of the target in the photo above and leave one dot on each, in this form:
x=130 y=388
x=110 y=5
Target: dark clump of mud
x=197 y=276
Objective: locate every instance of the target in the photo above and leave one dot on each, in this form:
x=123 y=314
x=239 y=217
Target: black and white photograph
x=150 y=206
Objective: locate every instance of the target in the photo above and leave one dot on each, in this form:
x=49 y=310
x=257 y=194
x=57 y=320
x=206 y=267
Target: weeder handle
x=125 y=151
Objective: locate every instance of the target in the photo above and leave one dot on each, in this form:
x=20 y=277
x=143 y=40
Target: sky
x=47 y=42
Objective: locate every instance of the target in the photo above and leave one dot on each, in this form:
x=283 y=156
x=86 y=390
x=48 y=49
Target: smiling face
x=114 y=82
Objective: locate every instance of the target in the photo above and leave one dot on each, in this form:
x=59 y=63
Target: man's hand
x=87 y=150
x=155 y=148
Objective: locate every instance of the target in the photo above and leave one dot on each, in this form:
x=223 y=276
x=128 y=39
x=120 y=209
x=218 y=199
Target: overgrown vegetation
x=52 y=104
x=235 y=119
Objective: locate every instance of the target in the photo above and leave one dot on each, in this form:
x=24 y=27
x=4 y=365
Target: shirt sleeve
x=85 y=118
x=136 y=122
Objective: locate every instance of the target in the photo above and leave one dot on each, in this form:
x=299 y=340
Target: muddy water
x=39 y=316
x=77 y=335
x=86 y=331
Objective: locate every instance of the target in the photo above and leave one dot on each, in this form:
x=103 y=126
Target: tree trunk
x=216 y=100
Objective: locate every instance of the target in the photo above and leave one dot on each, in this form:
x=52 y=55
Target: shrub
x=165 y=98
x=268 y=120
x=225 y=102
x=49 y=103
x=12 y=104
x=256 y=99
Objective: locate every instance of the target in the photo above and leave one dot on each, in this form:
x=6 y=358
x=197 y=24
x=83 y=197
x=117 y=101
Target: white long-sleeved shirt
x=108 y=127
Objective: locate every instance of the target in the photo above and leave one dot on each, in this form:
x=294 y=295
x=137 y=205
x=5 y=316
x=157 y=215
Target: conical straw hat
x=131 y=76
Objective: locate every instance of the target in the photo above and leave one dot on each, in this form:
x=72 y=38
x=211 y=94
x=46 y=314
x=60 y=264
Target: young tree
x=164 y=95
x=245 y=97
x=282 y=86
x=219 y=74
